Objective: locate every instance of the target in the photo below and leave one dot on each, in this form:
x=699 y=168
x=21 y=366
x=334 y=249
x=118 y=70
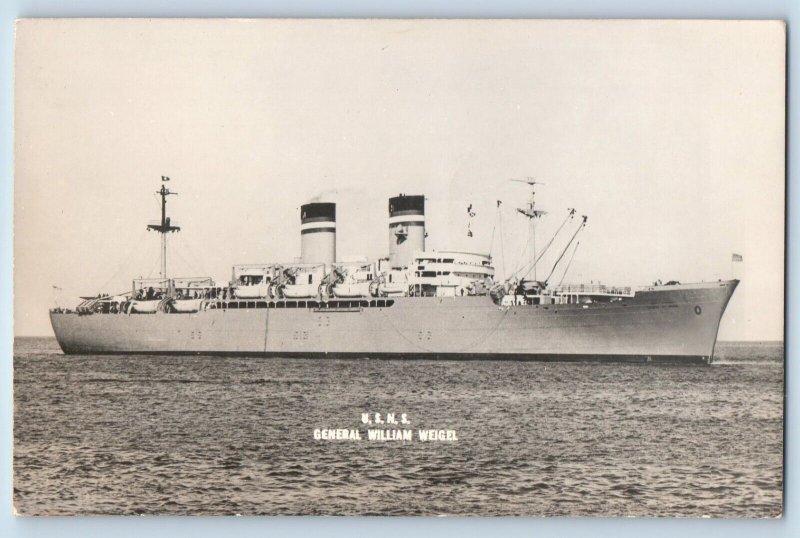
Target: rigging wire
x=125 y=261
x=583 y=224
x=190 y=266
x=494 y=226
x=499 y=220
x=502 y=247
x=569 y=262
x=544 y=250
x=214 y=250
x=525 y=245
x=157 y=266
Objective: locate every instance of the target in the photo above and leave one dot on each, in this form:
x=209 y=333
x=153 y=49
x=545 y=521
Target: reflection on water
x=191 y=435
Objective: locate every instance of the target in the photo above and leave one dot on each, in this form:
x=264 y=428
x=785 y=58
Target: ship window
x=390 y=278
x=310 y=279
x=448 y=260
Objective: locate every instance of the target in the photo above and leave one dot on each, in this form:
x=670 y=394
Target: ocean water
x=209 y=435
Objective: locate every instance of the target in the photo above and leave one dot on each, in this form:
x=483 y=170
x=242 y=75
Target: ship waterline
x=670 y=323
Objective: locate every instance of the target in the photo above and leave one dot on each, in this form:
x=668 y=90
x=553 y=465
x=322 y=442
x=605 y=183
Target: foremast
x=532 y=214
x=517 y=283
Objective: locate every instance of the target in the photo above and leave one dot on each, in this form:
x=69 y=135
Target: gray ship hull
x=660 y=324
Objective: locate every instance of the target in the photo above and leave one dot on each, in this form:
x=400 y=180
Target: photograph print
x=399 y=267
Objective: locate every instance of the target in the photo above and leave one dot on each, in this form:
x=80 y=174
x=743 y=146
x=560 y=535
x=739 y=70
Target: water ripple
x=192 y=435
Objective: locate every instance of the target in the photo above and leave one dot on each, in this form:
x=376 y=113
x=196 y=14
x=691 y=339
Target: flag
x=164 y=178
x=736 y=258
x=499 y=202
x=56 y=287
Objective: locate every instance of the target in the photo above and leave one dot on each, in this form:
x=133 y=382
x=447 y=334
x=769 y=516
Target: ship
x=412 y=304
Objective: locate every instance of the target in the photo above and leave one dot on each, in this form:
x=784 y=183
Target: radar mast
x=164 y=227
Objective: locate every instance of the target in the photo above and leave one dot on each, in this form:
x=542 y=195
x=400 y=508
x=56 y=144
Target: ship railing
x=86 y=306
x=193 y=282
x=155 y=282
x=332 y=305
x=594 y=289
x=103 y=304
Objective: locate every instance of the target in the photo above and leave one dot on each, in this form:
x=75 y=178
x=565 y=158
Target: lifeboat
x=298 y=291
x=186 y=305
x=254 y=291
x=352 y=289
x=393 y=289
x=145 y=307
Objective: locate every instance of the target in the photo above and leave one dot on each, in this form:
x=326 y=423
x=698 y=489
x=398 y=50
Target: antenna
x=529 y=180
x=530 y=210
x=165 y=226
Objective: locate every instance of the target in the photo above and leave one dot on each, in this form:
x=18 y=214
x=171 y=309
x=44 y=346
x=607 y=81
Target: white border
x=388 y=527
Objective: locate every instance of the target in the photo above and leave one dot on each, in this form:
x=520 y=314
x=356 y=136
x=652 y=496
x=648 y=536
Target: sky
x=668 y=135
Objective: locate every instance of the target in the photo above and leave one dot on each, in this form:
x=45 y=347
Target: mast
x=165 y=226
x=532 y=214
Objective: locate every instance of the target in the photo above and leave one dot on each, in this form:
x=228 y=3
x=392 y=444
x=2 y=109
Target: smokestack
x=406 y=229
x=318 y=233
